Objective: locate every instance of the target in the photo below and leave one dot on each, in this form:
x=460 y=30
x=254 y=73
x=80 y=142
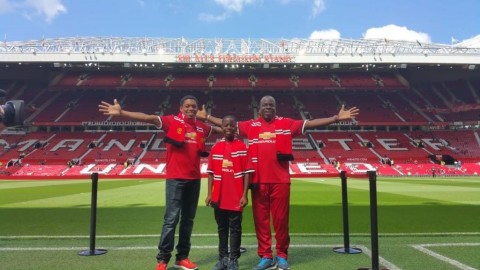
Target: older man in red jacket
x=270 y=147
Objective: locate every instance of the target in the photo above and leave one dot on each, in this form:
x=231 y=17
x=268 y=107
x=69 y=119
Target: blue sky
x=429 y=21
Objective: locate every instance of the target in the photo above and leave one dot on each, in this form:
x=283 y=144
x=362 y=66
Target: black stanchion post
x=93 y=221
x=372 y=179
x=346 y=231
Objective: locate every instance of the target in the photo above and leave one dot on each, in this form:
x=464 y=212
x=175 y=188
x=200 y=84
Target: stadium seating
x=402 y=130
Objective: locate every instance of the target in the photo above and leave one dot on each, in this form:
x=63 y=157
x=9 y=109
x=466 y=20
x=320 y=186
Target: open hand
x=110 y=109
x=347 y=114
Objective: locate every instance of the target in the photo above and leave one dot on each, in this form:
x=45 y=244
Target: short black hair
x=188 y=97
x=229 y=116
x=268 y=96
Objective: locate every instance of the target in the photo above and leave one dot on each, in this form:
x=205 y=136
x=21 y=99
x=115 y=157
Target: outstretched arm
x=343 y=114
x=116 y=110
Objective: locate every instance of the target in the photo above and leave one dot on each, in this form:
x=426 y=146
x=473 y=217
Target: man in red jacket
x=270 y=147
x=185 y=142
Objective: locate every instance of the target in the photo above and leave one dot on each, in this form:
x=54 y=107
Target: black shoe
x=13 y=113
x=221 y=264
x=232 y=264
x=243 y=250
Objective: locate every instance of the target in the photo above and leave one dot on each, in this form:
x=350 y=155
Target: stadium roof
x=199 y=52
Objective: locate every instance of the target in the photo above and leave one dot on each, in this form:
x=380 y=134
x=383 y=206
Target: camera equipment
x=13 y=112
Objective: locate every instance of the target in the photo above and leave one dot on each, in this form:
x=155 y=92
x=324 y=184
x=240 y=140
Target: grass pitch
x=423 y=224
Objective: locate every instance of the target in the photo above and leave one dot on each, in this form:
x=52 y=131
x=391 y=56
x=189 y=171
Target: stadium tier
x=317 y=152
x=411 y=121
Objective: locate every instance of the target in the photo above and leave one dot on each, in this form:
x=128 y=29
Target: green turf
x=306 y=253
x=410 y=211
x=460 y=253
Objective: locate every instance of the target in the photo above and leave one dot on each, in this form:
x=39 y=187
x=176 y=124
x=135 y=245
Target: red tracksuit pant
x=271 y=200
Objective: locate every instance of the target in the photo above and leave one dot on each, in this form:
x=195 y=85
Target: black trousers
x=229 y=224
x=181 y=200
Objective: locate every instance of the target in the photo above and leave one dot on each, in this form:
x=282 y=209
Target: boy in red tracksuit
x=228 y=179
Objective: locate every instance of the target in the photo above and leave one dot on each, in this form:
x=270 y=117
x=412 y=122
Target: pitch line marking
x=440 y=257
x=143 y=247
x=121 y=236
x=367 y=252
x=381 y=260
x=450 y=245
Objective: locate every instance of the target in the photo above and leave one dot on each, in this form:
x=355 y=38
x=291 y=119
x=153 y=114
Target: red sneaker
x=161 y=265
x=185 y=264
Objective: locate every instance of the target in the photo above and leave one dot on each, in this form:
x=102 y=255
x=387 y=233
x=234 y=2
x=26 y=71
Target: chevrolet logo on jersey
x=266 y=135
x=227 y=163
x=191 y=135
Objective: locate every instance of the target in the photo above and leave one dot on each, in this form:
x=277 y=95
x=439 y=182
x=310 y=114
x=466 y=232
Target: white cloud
x=234 y=5
x=325 y=34
x=395 y=32
x=318 y=7
x=48 y=9
x=230 y=6
x=473 y=42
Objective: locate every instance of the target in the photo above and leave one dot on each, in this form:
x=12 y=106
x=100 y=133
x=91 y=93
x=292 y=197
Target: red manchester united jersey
x=184 y=162
x=269 y=169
